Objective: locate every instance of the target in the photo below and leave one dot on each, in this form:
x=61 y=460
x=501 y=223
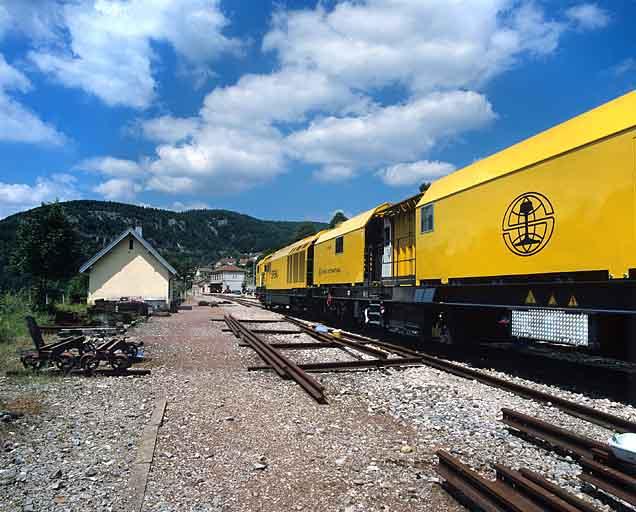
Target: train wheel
x=65 y=363
x=119 y=362
x=89 y=363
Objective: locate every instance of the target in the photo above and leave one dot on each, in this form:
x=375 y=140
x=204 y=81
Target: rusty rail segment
x=558 y=491
x=603 y=419
x=511 y=491
x=351 y=365
x=600 y=468
x=281 y=364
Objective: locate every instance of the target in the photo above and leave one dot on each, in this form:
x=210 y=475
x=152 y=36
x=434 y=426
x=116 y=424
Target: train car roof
x=295 y=247
x=354 y=223
x=610 y=118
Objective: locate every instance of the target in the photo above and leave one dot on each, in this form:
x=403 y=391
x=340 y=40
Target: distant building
x=203 y=272
x=130 y=267
x=227 y=277
x=224 y=262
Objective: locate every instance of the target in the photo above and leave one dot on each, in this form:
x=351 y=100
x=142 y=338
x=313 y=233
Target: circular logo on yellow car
x=528 y=224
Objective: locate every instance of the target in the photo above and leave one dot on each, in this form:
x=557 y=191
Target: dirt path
x=234 y=440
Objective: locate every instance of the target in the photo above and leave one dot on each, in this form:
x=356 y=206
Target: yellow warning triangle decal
x=572 y=302
x=552 y=301
x=530 y=298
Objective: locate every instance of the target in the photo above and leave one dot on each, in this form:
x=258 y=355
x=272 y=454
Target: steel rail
x=511 y=491
x=349 y=365
x=609 y=479
x=572 y=499
x=603 y=419
x=557 y=438
x=606 y=472
x=278 y=361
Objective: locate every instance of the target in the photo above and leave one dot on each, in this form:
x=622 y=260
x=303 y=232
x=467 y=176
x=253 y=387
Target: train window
x=339 y=245
x=426 y=219
x=387 y=236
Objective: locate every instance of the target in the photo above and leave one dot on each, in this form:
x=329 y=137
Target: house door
x=387 y=254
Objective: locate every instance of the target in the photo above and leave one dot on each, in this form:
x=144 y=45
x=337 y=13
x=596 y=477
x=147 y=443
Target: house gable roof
x=140 y=239
x=228 y=268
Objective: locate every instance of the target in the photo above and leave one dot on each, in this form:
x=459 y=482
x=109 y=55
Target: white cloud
x=391 y=134
x=39 y=19
x=168 y=129
x=221 y=159
x=413 y=173
x=626 y=66
x=110 y=53
x=318 y=106
x=121 y=189
x=15 y=197
x=17 y=122
x=110 y=166
x=588 y=16
x=170 y=184
x=183 y=207
x=283 y=96
x=334 y=173
x=423 y=45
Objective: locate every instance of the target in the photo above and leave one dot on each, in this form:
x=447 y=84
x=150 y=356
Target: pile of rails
x=76 y=350
x=383 y=354
x=612 y=479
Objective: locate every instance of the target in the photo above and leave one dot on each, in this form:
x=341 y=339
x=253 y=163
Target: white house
x=227 y=277
x=130 y=267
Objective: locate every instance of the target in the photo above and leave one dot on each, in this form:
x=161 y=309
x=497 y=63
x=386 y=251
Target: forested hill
x=203 y=235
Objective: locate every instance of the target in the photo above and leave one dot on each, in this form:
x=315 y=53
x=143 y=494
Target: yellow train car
x=339 y=253
x=536 y=241
x=560 y=202
x=290 y=267
x=261 y=272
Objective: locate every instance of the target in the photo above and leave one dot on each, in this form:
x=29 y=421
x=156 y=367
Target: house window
x=340 y=245
x=426 y=219
x=131 y=244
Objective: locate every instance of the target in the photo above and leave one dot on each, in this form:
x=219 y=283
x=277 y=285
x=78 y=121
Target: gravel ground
x=234 y=440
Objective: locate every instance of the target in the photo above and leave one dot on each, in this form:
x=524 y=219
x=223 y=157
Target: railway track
x=603 y=419
x=274 y=360
x=515 y=490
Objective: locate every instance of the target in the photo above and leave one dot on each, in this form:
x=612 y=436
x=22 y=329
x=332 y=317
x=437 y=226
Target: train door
x=387 y=254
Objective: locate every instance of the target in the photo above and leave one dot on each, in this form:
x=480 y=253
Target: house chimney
x=139 y=231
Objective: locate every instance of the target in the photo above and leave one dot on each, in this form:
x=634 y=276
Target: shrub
x=13 y=308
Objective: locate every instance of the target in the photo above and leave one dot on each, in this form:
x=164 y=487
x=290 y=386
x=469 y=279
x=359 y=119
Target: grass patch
x=14 y=335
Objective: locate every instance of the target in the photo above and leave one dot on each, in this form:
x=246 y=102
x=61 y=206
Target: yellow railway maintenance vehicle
x=538 y=239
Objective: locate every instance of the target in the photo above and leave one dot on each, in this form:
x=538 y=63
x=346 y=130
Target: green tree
x=186 y=270
x=304 y=230
x=424 y=186
x=46 y=248
x=338 y=218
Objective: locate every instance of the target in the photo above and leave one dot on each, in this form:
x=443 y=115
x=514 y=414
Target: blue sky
x=287 y=109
